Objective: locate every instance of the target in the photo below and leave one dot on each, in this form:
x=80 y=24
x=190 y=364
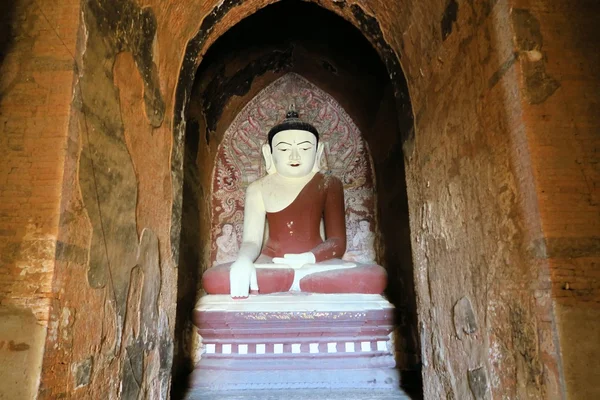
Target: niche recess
x=332 y=54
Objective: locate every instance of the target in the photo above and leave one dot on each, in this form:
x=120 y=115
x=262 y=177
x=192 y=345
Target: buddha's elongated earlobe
x=269 y=164
x=320 y=158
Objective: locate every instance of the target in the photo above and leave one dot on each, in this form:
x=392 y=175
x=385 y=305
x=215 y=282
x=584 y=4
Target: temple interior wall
x=501 y=171
x=36 y=77
x=562 y=127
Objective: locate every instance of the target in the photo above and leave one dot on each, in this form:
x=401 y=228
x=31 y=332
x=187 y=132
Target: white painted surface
x=296 y=302
x=332 y=347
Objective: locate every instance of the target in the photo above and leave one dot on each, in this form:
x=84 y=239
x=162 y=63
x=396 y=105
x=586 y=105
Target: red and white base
x=295 y=340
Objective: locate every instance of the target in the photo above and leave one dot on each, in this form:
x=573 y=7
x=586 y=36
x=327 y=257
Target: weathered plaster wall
x=35 y=91
x=110 y=333
x=557 y=44
x=484 y=301
x=392 y=198
x=37 y=43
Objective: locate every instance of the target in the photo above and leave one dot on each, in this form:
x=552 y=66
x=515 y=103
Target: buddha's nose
x=295 y=155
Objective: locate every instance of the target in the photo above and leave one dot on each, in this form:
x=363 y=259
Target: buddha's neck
x=299 y=181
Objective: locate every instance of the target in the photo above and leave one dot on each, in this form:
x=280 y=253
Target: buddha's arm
x=221 y=243
x=242 y=275
x=254 y=225
x=334 y=217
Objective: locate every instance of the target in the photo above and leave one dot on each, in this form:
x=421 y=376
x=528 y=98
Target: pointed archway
x=342 y=66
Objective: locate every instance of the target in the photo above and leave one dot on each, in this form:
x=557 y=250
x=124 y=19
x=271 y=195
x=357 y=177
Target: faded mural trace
x=239 y=163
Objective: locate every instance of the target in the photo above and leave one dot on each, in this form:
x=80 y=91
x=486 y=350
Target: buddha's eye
x=308 y=148
x=283 y=149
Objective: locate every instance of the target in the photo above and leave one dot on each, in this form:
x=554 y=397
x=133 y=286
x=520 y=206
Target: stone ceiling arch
x=229 y=13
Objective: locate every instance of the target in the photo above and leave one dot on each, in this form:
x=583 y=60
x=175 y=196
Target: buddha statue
x=304 y=212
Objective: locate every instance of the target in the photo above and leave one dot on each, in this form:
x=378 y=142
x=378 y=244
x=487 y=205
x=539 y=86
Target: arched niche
x=340 y=60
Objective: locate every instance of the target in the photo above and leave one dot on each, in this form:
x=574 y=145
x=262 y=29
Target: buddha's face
x=294 y=153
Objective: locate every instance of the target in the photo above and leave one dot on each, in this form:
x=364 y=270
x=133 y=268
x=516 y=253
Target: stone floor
x=411 y=390
x=298 y=394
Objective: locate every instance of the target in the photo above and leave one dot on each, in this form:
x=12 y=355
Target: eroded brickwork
x=560 y=80
x=36 y=76
x=35 y=93
x=475 y=278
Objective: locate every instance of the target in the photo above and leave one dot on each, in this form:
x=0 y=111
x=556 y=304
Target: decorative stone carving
x=227 y=245
x=362 y=243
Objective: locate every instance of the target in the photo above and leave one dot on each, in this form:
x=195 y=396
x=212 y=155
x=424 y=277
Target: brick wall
x=36 y=79
x=560 y=66
x=36 y=76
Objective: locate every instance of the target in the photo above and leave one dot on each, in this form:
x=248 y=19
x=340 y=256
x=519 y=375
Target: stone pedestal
x=295 y=340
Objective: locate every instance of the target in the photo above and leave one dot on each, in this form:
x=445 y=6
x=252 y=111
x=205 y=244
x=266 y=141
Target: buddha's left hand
x=296 y=261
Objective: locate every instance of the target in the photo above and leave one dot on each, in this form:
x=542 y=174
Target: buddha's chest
x=278 y=195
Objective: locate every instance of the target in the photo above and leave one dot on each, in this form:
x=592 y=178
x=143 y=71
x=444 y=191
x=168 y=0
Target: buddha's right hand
x=242 y=278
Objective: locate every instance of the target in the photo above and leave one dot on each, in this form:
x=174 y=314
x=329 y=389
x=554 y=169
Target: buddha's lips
x=294 y=165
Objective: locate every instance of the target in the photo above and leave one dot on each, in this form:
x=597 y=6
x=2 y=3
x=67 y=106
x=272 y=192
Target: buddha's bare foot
x=324 y=266
x=295 y=261
x=309 y=269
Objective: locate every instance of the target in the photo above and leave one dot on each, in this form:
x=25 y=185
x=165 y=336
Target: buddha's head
x=293 y=148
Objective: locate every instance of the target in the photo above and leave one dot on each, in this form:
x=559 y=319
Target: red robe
x=295 y=229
